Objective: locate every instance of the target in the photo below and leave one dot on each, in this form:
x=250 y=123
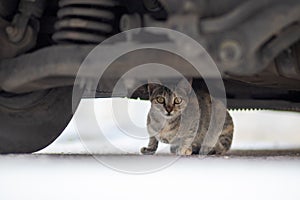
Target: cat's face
x=167 y=102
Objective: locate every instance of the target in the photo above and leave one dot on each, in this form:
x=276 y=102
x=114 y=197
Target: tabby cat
x=165 y=121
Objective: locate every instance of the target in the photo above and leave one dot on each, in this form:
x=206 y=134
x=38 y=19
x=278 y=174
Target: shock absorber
x=86 y=21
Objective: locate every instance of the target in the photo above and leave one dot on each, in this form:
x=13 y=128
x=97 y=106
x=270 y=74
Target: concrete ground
x=240 y=175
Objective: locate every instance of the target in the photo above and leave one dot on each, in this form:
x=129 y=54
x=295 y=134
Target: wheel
x=30 y=122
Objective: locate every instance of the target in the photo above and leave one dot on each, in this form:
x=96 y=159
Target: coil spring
x=85 y=21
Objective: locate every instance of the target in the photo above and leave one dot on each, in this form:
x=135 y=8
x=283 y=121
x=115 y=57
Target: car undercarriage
x=254 y=43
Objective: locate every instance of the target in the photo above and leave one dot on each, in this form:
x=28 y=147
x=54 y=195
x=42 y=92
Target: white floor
x=75 y=178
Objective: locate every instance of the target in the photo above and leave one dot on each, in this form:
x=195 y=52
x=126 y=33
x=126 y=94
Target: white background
x=63 y=175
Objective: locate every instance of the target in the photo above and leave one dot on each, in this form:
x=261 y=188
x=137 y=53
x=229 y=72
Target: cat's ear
x=185 y=84
x=152 y=84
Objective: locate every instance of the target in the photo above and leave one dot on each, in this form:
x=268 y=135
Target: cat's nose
x=169 y=109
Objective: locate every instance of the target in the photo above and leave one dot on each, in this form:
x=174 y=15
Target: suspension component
x=86 y=21
x=21 y=34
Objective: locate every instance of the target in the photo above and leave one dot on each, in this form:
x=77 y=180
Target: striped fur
x=182 y=125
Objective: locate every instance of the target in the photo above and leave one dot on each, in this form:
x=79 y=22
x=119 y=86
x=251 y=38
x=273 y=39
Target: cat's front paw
x=206 y=150
x=147 y=151
x=184 y=151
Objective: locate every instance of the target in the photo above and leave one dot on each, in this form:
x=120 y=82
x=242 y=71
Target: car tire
x=30 y=122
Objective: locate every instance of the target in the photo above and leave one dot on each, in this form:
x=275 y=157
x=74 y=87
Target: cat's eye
x=160 y=99
x=177 y=100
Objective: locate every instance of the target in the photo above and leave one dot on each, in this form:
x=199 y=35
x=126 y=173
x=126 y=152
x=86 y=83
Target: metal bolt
x=11 y=31
x=230 y=51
